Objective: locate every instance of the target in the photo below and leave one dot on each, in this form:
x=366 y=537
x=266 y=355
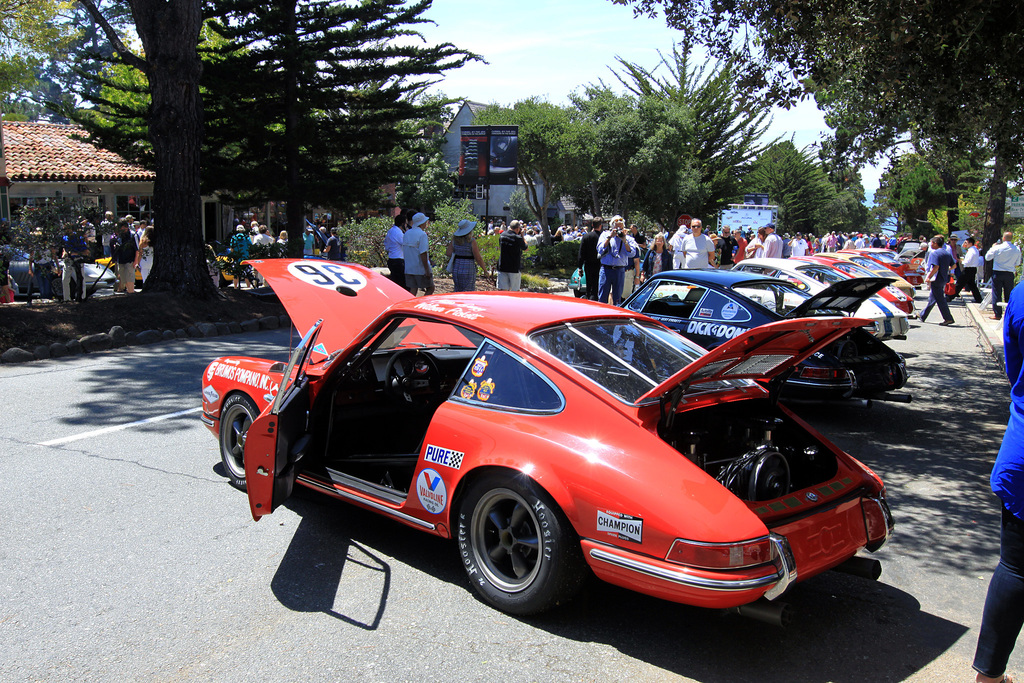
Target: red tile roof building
x=50 y=152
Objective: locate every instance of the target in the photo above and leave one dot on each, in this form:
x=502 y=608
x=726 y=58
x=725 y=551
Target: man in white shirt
x=675 y=244
x=1005 y=257
x=419 y=273
x=969 y=273
x=799 y=245
x=772 y=242
x=697 y=249
x=393 y=241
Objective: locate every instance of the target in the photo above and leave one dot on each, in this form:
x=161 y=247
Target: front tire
x=520 y=552
x=236 y=416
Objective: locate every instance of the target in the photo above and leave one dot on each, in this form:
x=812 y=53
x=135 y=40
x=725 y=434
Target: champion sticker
x=705 y=312
x=431 y=491
x=621 y=526
x=327 y=274
x=479 y=367
x=486 y=390
x=436 y=455
x=730 y=310
x=468 y=391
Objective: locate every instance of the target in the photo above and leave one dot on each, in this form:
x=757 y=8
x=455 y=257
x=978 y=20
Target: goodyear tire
x=236 y=416
x=520 y=552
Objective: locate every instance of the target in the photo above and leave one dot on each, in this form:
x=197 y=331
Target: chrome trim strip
x=207 y=420
x=890 y=524
x=365 y=501
x=681 y=576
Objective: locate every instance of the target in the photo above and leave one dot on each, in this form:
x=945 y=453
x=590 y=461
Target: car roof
x=505 y=314
x=721 y=278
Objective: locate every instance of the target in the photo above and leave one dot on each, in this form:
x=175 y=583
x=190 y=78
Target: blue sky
x=549 y=49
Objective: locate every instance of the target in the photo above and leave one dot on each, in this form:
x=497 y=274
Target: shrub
x=557 y=256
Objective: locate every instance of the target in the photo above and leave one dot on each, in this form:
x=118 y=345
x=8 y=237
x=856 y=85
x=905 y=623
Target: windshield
x=856 y=269
x=627 y=358
x=777 y=296
x=829 y=276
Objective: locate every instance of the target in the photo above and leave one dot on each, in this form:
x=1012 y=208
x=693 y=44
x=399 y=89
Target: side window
x=718 y=306
x=497 y=378
x=674 y=299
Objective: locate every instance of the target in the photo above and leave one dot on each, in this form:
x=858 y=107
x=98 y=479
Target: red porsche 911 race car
x=549 y=437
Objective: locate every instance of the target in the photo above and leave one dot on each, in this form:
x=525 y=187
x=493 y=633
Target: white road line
x=117 y=428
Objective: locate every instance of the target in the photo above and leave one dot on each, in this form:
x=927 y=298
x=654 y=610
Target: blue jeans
x=1004 y=605
x=610 y=281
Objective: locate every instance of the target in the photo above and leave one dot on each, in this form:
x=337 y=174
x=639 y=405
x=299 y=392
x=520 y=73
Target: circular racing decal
x=210 y=370
x=431 y=491
x=327 y=274
x=729 y=310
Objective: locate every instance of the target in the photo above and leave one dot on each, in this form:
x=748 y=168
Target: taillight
x=823 y=373
x=878 y=522
x=720 y=555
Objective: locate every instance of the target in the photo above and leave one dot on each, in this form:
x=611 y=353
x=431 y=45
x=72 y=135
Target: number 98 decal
x=327 y=275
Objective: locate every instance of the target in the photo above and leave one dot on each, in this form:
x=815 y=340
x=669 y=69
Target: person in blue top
x=938 y=263
x=1004 y=605
x=239 y=249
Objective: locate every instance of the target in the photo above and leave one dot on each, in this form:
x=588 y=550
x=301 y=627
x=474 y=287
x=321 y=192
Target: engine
x=757 y=454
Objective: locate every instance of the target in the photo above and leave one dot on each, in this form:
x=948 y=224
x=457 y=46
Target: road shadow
x=846 y=629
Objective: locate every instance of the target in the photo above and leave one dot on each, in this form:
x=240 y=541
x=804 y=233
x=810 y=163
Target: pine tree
x=318 y=102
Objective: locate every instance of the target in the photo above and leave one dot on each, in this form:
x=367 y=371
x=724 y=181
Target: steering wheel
x=412 y=378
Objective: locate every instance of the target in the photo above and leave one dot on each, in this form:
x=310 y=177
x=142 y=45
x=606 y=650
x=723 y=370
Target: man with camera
x=616 y=249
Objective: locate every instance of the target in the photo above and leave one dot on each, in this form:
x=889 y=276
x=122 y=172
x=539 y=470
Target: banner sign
x=489 y=155
x=746 y=218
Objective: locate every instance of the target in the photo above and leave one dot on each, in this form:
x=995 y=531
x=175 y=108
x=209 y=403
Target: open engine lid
x=761 y=353
x=845 y=296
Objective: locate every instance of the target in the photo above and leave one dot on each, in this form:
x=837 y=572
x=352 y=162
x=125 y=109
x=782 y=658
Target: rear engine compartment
x=751 y=448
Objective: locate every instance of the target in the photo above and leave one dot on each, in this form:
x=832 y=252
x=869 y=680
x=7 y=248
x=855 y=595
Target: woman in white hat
x=464 y=257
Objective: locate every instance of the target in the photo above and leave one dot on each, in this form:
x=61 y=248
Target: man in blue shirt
x=937 y=266
x=1004 y=605
x=615 y=248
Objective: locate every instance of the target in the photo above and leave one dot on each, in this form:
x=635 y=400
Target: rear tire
x=236 y=416
x=520 y=552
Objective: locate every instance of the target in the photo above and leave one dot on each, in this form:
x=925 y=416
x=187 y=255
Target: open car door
x=278 y=439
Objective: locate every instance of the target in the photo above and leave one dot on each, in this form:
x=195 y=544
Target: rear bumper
x=801 y=548
x=705 y=588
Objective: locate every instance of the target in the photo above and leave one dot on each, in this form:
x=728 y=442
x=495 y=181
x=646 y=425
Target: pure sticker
x=436 y=455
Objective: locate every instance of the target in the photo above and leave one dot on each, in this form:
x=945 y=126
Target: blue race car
x=710 y=307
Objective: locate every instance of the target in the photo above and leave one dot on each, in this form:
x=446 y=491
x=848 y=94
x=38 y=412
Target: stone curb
x=117 y=337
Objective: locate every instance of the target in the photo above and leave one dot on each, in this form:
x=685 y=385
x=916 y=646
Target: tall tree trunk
x=169 y=30
x=295 y=194
x=952 y=199
x=995 y=210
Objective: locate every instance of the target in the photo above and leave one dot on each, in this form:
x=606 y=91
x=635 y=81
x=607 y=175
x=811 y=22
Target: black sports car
x=711 y=307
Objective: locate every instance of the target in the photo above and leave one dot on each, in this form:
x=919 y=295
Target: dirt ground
x=45 y=323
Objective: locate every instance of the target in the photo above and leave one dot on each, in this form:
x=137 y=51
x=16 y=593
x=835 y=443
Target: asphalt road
x=125 y=554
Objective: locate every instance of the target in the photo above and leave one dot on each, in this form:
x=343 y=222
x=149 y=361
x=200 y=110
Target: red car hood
x=761 y=353
x=348 y=297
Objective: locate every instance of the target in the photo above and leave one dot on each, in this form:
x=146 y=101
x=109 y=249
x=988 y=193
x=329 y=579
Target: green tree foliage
x=317 y=102
x=910 y=189
x=31 y=32
x=554 y=151
x=518 y=208
x=721 y=134
x=948 y=71
x=798 y=184
x=638 y=141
